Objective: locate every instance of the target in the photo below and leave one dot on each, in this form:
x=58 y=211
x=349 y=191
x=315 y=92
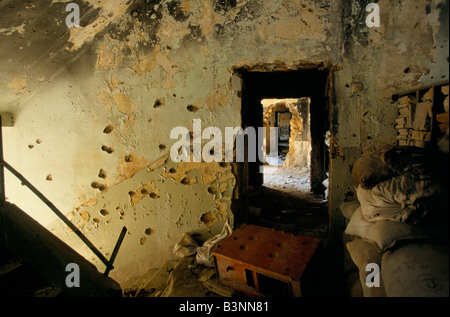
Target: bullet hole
x=107 y=149
x=49 y=177
x=407 y=70
x=223 y=165
x=369 y=138
x=186 y=181
x=149 y=231
x=168 y=47
x=208 y=219
x=129 y=158
x=158 y=103
x=104 y=212
x=142 y=240
x=153 y=195
x=211 y=152
x=102 y=173
x=162 y=147
x=30 y=146
x=173 y=170
x=213 y=190
x=192 y=108
x=144 y=191
x=38 y=141
x=349 y=196
x=347 y=86
x=96 y=220
x=108 y=129
x=273 y=255
x=98 y=186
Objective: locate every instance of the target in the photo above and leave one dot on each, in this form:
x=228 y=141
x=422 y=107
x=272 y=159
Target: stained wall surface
x=94 y=105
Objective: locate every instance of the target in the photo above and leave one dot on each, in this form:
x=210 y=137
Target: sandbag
x=396 y=199
x=383 y=163
x=370 y=169
x=349 y=207
x=409 y=159
x=416 y=270
x=362 y=253
x=358 y=226
x=385 y=233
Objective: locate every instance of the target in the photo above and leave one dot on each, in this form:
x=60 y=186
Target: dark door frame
x=257 y=85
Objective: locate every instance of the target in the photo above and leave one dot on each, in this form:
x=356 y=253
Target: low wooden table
x=263 y=262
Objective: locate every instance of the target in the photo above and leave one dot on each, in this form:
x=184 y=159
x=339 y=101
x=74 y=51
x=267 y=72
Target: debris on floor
x=179 y=278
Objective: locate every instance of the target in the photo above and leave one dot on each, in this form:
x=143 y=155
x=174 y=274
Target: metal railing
x=89 y=244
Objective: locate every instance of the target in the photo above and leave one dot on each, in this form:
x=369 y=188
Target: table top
x=272 y=250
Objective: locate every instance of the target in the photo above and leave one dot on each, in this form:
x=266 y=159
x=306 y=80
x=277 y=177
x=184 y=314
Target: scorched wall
x=94 y=105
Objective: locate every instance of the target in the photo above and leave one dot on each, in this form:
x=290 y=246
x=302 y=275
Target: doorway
x=296 y=103
x=288 y=167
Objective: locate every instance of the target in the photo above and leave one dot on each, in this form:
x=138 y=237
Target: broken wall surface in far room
x=94 y=106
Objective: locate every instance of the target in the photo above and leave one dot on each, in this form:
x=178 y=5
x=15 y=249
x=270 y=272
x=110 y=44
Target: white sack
x=416 y=270
x=349 y=207
x=394 y=199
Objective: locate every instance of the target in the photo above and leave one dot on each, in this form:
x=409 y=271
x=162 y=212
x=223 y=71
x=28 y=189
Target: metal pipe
x=58 y=213
x=116 y=249
x=2 y=171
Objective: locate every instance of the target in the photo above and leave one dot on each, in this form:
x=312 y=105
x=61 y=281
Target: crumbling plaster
x=142 y=68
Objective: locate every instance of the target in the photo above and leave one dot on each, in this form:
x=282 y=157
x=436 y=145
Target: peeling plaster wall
x=298 y=154
x=409 y=49
x=103 y=98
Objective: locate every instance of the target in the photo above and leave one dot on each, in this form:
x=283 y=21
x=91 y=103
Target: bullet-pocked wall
x=94 y=105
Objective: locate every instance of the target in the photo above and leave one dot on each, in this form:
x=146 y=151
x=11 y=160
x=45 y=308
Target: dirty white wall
x=141 y=68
